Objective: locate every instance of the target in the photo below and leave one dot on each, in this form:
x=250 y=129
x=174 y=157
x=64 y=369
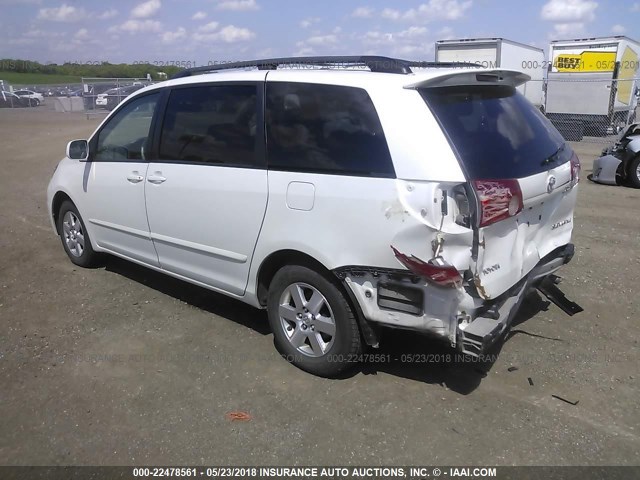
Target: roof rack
x=374 y=63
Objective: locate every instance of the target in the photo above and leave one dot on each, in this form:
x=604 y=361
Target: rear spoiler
x=512 y=78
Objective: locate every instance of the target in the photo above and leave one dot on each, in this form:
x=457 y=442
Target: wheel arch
x=281 y=258
x=58 y=199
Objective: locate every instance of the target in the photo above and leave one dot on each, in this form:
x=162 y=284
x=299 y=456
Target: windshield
x=497 y=132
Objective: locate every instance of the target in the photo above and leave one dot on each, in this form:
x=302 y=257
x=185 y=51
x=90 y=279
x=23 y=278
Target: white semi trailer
x=592 y=84
x=499 y=53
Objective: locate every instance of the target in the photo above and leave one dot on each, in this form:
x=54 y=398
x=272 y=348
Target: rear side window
x=498 y=134
x=211 y=124
x=325 y=129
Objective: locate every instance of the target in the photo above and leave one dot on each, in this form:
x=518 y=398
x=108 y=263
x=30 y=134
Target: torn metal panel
x=605 y=170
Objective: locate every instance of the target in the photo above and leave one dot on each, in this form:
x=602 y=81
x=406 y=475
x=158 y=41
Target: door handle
x=134 y=177
x=156 y=178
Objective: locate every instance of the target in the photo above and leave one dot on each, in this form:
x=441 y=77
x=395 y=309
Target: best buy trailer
x=498 y=53
x=593 y=82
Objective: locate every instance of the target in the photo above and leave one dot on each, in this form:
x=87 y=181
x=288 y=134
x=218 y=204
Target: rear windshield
x=496 y=131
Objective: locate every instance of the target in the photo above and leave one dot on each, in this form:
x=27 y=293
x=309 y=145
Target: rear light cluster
x=499 y=199
x=436 y=270
x=575 y=170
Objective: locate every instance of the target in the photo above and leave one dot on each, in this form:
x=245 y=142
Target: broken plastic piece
x=549 y=289
x=512 y=369
x=238 y=416
x=565 y=400
x=435 y=270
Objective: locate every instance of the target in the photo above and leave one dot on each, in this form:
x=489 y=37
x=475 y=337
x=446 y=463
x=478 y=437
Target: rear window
x=496 y=131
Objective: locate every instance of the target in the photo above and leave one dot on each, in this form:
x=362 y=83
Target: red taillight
x=436 y=270
x=499 y=199
x=575 y=170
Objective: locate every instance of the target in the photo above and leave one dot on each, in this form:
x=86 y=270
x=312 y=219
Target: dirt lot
x=120 y=365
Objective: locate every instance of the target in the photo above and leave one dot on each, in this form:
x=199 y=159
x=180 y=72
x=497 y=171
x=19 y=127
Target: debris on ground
x=512 y=369
x=530 y=381
x=565 y=400
x=238 y=416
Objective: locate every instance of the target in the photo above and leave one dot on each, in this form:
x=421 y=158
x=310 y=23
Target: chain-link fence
x=590 y=109
x=92 y=96
x=34 y=95
x=49 y=90
x=101 y=95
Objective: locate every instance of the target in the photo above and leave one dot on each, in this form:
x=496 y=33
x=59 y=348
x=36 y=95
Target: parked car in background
x=57 y=92
x=620 y=163
x=98 y=88
x=36 y=98
x=111 y=98
x=11 y=100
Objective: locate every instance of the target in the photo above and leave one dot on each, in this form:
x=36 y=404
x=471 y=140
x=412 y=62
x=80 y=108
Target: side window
x=325 y=129
x=211 y=124
x=125 y=136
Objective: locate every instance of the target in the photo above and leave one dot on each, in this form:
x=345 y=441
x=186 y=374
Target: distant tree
x=104 y=70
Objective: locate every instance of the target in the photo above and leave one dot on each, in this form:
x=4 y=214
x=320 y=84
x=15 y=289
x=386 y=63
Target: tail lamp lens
x=499 y=199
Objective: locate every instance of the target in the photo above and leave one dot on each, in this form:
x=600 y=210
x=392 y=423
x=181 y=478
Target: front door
x=114 y=182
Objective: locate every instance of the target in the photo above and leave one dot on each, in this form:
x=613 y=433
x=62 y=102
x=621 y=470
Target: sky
x=203 y=31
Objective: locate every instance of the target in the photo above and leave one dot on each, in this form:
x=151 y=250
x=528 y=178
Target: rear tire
x=634 y=172
x=75 y=238
x=313 y=324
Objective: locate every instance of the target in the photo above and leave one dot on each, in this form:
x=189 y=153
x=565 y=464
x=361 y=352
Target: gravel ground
x=121 y=365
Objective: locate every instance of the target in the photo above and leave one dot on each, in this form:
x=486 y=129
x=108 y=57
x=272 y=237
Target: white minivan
x=342 y=194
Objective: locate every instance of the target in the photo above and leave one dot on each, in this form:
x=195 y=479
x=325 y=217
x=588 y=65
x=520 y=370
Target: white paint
x=214 y=226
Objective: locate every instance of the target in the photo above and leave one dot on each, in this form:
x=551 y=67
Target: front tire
x=74 y=236
x=313 y=324
x=634 y=172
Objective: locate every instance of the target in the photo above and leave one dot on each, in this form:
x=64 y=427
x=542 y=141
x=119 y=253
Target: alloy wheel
x=73 y=233
x=307 y=319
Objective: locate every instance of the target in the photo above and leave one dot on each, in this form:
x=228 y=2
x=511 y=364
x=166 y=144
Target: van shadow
x=411 y=356
x=194 y=295
x=432 y=361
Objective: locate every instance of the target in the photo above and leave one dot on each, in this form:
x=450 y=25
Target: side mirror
x=78 y=150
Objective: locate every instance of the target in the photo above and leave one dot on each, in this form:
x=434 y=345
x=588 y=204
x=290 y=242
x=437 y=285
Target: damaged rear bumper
x=476 y=337
x=605 y=170
x=395 y=298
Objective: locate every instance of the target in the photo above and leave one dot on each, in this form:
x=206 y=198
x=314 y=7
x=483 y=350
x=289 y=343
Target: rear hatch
x=521 y=176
